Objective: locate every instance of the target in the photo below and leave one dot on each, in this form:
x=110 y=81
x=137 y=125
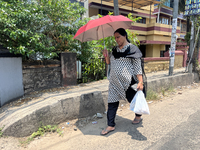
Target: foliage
x=151 y=95
x=41 y=131
x=44 y=129
x=62 y=22
x=171 y=89
x=20 y=27
x=93 y=70
x=163 y=91
x=44 y=26
x=187 y=38
x=1 y=132
x=181 y=7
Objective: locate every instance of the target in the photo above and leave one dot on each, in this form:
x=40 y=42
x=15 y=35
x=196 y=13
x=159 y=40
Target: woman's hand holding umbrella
x=106 y=55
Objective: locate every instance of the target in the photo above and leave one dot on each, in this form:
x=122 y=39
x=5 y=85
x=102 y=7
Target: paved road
x=174 y=124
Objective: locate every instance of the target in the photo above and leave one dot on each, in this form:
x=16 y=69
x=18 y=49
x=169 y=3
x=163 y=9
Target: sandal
x=106 y=132
x=137 y=120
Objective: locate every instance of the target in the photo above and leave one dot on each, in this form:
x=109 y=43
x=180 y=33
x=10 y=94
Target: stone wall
x=41 y=76
x=156 y=64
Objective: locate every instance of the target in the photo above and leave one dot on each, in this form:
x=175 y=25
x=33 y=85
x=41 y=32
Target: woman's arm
x=140 y=83
x=138 y=71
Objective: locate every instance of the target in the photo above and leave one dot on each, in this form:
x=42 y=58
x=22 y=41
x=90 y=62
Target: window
x=143 y=20
x=178 y=23
x=163 y=20
x=183 y=27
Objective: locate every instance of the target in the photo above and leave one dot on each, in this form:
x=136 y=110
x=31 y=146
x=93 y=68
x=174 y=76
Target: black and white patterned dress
x=121 y=72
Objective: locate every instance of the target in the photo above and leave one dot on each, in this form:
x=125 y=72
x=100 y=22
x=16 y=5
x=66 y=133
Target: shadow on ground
x=122 y=125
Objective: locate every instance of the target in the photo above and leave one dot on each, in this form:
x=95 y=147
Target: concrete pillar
x=86 y=14
x=68 y=69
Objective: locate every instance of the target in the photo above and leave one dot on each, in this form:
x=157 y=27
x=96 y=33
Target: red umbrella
x=102 y=27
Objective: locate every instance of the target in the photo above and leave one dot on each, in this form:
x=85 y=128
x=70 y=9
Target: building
x=154 y=35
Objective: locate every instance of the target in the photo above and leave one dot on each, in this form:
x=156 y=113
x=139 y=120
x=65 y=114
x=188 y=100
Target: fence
x=93 y=70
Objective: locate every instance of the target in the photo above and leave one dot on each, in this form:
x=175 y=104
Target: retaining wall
x=61 y=108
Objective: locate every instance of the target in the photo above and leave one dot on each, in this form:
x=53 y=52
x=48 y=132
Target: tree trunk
x=198 y=45
x=188 y=24
x=116 y=8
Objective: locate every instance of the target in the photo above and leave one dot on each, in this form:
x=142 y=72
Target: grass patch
x=1 y=132
x=163 y=91
x=171 y=89
x=151 y=95
x=41 y=131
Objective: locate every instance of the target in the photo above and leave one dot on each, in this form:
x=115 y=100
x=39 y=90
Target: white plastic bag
x=139 y=104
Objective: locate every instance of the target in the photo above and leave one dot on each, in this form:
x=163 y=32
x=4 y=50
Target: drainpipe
x=158 y=19
x=150 y=15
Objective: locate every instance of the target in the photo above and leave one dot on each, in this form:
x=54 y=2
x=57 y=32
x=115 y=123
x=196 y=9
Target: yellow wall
x=156 y=50
x=158 y=38
x=149 y=50
x=162 y=47
x=153 y=20
x=178 y=63
x=153 y=50
x=141 y=38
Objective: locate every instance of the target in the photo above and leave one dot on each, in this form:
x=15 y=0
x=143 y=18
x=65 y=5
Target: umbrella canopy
x=102 y=27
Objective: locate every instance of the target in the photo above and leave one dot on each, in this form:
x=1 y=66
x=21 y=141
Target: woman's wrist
x=141 y=82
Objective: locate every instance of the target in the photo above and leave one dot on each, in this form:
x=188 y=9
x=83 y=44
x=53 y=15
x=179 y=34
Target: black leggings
x=111 y=113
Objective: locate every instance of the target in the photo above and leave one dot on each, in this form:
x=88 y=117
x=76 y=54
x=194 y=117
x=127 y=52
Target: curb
x=61 y=108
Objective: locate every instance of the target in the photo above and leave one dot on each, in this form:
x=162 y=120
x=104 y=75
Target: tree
x=20 y=26
x=63 y=18
x=44 y=26
x=181 y=7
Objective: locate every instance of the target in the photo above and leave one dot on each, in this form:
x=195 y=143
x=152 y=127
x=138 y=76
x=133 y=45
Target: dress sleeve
x=137 y=68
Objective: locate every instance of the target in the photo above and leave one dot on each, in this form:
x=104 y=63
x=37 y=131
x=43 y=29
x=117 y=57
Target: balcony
x=154 y=29
x=155 y=33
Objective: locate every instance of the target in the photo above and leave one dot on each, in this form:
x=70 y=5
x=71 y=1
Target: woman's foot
x=107 y=130
x=137 y=120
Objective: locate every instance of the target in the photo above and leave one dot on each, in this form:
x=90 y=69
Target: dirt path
x=166 y=114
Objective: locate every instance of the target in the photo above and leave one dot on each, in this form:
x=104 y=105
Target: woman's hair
x=122 y=32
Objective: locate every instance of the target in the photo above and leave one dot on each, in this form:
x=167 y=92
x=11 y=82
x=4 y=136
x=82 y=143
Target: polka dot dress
x=121 y=73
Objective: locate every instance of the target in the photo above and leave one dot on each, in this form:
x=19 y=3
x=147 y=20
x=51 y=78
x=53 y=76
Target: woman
x=125 y=64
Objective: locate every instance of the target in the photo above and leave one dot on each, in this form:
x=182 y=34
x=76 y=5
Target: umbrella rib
x=97 y=32
x=83 y=36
